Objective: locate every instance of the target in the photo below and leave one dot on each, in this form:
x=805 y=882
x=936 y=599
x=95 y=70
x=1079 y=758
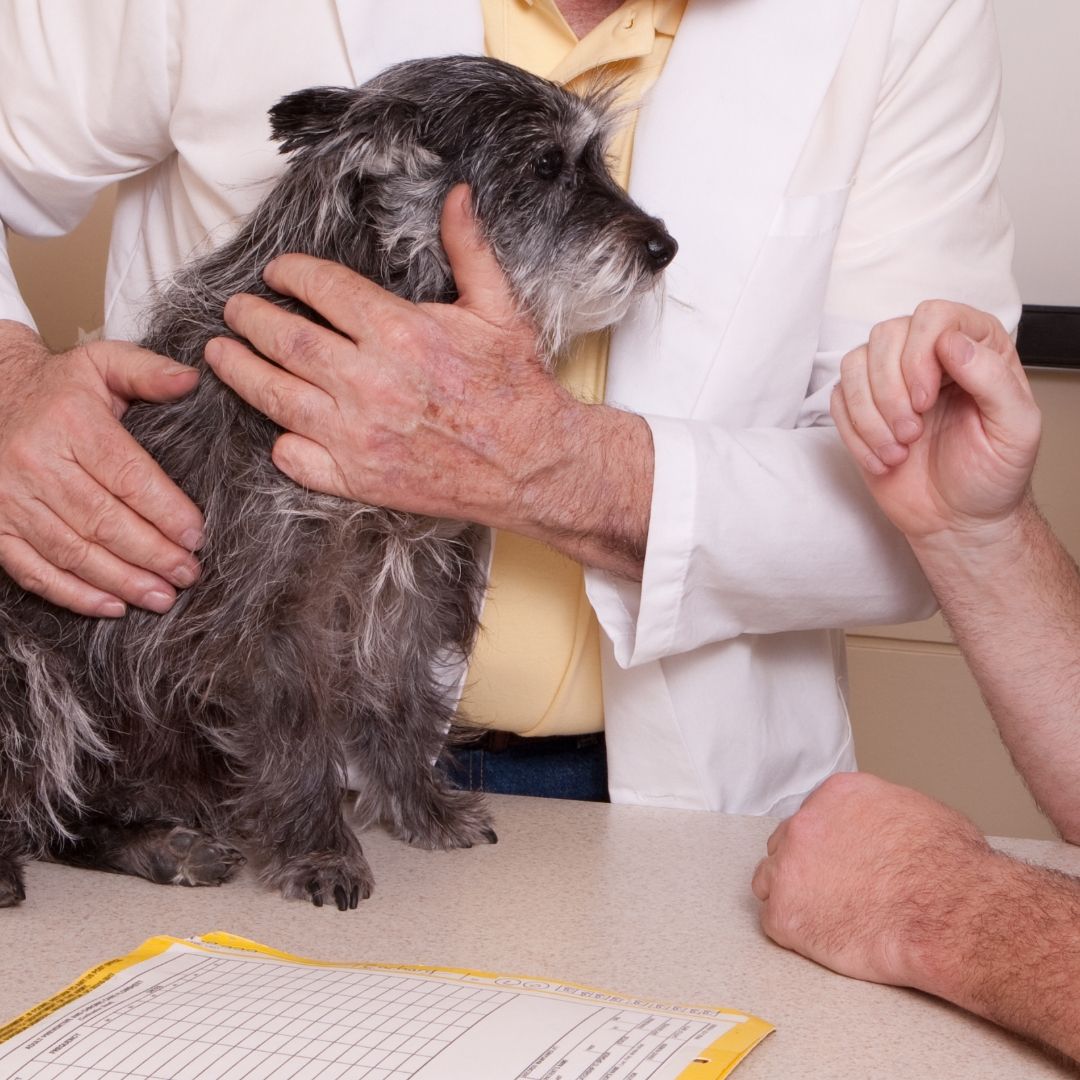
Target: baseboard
x=1049 y=337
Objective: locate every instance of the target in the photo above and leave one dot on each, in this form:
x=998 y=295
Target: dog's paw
x=190 y=857
x=444 y=820
x=12 y=890
x=323 y=877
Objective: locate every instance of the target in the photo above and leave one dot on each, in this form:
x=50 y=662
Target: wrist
x=16 y=339
x=587 y=486
x=1007 y=950
x=983 y=551
x=946 y=939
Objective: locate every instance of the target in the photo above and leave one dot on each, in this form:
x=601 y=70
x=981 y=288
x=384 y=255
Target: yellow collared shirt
x=536 y=666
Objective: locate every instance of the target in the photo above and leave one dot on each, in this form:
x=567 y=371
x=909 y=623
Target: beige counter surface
x=649 y=902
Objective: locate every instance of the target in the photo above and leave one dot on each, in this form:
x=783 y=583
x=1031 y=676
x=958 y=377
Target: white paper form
x=196 y=1010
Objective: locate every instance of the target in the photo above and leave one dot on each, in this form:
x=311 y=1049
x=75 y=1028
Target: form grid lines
x=207 y=1019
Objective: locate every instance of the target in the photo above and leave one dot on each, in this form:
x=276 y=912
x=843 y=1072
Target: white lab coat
x=823 y=166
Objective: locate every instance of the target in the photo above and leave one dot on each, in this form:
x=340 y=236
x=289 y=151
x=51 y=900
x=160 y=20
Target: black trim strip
x=1049 y=337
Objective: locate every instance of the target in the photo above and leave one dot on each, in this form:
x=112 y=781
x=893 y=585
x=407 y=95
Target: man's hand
x=88 y=520
x=441 y=409
x=881 y=883
x=937 y=410
x=866 y=875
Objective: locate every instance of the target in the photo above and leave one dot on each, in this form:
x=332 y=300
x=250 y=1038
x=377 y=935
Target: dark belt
x=498 y=742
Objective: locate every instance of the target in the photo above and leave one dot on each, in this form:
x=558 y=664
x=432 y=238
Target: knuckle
x=853 y=362
x=104 y=525
x=34 y=580
x=842 y=783
x=776 y=915
x=400 y=333
x=323 y=280
x=838 y=790
x=302 y=339
x=800 y=826
x=285 y=404
x=855 y=397
x=130 y=479
x=933 y=311
x=883 y=334
x=70 y=553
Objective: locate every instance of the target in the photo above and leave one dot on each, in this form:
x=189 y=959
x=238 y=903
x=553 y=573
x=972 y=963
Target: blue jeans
x=556 y=767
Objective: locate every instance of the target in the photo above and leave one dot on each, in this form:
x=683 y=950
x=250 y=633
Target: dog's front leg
x=399 y=785
x=12 y=851
x=296 y=828
x=288 y=805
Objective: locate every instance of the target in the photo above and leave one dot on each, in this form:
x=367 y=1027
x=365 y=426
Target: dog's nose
x=660 y=249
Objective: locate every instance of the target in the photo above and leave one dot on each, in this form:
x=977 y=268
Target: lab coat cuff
x=641 y=620
x=12 y=305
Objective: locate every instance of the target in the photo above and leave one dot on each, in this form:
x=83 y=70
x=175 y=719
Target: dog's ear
x=389 y=127
x=307 y=116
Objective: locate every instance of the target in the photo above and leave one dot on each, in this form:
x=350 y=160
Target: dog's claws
x=491 y=836
x=325 y=878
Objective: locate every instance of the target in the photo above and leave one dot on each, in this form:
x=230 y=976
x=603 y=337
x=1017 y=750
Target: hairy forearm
x=16 y=339
x=1012 y=600
x=1009 y=950
x=587 y=487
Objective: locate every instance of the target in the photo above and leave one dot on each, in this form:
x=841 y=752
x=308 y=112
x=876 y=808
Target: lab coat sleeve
x=759 y=531
x=84 y=101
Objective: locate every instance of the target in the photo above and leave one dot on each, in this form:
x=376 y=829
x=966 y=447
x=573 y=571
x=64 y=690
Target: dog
x=176 y=746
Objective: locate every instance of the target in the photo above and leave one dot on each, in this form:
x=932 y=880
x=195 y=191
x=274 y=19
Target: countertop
x=643 y=901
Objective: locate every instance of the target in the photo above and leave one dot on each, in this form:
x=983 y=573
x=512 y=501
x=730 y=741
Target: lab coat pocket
x=816 y=214
x=765 y=366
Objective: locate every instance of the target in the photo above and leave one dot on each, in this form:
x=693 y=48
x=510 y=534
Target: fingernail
x=919 y=397
x=177 y=369
x=184 y=576
x=193 y=539
x=212 y=350
x=891 y=453
x=874 y=465
x=966 y=350
x=112 y=609
x=907 y=430
x=157 y=601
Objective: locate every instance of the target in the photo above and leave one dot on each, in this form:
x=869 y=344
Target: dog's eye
x=549 y=164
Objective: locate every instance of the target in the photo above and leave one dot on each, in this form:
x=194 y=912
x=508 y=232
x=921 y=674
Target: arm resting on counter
x=884 y=884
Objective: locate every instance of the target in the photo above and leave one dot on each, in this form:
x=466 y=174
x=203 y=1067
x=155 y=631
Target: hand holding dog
x=439 y=409
x=938 y=412
x=87 y=518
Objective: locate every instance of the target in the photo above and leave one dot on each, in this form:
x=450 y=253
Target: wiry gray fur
x=161 y=745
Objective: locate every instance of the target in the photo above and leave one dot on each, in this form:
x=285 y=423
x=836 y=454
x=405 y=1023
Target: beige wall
x=916 y=712
x=62 y=280
x=1041 y=171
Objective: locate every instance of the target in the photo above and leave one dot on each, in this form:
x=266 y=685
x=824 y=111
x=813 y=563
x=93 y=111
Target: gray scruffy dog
x=164 y=745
